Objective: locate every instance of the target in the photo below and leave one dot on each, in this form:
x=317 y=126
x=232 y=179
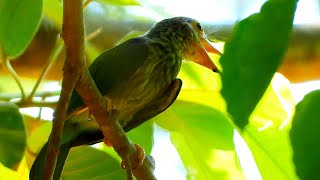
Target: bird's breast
x=149 y=82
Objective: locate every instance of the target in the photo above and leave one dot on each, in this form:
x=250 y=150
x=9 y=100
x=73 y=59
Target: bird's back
x=113 y=67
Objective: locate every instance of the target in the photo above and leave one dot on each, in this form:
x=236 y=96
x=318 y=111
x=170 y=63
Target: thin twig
x=25 y=104
x=10 y=96
x=74 y=53
x=93 y=34
x=41 y=109
x=15 y=76
x=86 y=3
x=57 y=126
x=57 y=50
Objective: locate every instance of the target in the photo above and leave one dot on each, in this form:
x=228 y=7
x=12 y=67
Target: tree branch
x=73 y=38
x=58 y=124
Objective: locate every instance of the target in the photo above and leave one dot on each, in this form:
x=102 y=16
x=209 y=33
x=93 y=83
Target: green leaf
x=305 y=136
x=12 y=135
x=203 y=121
x=201 y=86
x=34 y=142
x=205 y=162
x=253 y=55
x=86 y=162
x=143 y=135
x=53 y=10
x=201 y=135
x=195 y=76
x=19 y=21
x=121 y=2
x=267 y=133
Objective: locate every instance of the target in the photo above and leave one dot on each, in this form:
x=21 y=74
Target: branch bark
x=77 y=75
x=74 y=45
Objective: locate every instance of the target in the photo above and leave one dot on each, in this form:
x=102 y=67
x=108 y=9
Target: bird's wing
x=113 y=67
x=156 y=107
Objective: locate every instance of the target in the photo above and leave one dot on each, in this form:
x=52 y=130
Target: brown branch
x=74 y=61
x=57 y=125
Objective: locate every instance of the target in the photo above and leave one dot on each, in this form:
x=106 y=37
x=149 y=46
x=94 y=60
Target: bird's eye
x=199 y=26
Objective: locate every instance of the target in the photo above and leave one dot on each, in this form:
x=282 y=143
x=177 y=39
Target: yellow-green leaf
x=267 y=133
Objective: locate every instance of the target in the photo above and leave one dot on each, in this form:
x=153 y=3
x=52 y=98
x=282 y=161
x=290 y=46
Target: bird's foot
x=137 y=160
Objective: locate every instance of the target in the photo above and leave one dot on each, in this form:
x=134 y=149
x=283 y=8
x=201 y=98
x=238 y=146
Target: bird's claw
x=137 y=160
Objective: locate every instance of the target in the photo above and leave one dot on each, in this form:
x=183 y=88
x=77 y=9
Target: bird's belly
x=136 y=94
x=146 y=85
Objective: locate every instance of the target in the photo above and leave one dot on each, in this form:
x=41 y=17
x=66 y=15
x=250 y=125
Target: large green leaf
x=19 y=21
x=12 y=135
x=201 y=86
x=143 y=135
x=253 y=55
x=86 y=162
x=267 y=133
x=202 y=161
x=203 y=138
x=305 y=136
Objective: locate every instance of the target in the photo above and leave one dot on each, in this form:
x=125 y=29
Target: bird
x=138 y=79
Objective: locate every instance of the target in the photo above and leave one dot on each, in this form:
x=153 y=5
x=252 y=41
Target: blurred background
x=110 y=22
x=107 y=23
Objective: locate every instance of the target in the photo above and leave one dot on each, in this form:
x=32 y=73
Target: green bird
x=139 y=80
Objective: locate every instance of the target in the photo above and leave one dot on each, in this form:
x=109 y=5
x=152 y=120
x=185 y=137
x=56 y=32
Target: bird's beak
x=201 y=56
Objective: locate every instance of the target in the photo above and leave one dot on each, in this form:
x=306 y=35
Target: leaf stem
x=86 y=3
x=10 y=96
x=93 y=34
x=15 y=77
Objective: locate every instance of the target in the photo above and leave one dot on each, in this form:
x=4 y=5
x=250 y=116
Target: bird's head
x=186 y=37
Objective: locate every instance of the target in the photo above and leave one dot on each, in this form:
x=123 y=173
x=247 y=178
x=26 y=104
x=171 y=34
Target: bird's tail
x=77 y=131
x=37 y=169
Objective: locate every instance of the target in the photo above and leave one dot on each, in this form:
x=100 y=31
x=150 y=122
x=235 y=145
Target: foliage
x=304 y=136
x=248 y=98
x=19 y=21
x=13 y=136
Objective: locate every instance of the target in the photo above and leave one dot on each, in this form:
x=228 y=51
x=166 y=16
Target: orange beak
x=201 y=56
